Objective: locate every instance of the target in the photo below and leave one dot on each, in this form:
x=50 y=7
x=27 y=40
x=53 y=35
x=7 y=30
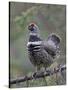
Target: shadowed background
x=49 y=18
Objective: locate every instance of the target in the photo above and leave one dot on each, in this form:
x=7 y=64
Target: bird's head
x=33 y=28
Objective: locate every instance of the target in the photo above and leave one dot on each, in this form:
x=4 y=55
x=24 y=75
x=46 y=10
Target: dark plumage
x=42 y=53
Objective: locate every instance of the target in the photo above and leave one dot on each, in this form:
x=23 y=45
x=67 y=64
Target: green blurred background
x=49 y=18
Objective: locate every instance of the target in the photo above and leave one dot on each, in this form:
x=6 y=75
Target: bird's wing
x=51 y=45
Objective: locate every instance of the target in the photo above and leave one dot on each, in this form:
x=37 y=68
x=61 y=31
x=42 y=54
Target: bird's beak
x=29 y=27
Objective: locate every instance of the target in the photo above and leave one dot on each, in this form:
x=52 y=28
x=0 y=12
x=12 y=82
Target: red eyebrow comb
x=32 y=24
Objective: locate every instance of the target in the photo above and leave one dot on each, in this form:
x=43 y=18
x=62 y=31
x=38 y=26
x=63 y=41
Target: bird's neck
x=34 y=37
x=33 y=34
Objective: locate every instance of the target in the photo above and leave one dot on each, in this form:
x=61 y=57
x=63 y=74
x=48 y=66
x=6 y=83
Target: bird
x=42 y=53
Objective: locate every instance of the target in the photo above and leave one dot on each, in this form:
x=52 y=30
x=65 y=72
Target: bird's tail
x=54 y=38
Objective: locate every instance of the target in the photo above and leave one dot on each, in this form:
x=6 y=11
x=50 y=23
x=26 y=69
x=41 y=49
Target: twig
x=37 y=75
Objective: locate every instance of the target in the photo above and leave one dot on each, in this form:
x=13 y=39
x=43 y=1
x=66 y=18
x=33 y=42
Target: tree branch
x=37 y=75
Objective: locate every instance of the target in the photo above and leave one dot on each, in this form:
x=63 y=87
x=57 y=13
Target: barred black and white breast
x=42 y=53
